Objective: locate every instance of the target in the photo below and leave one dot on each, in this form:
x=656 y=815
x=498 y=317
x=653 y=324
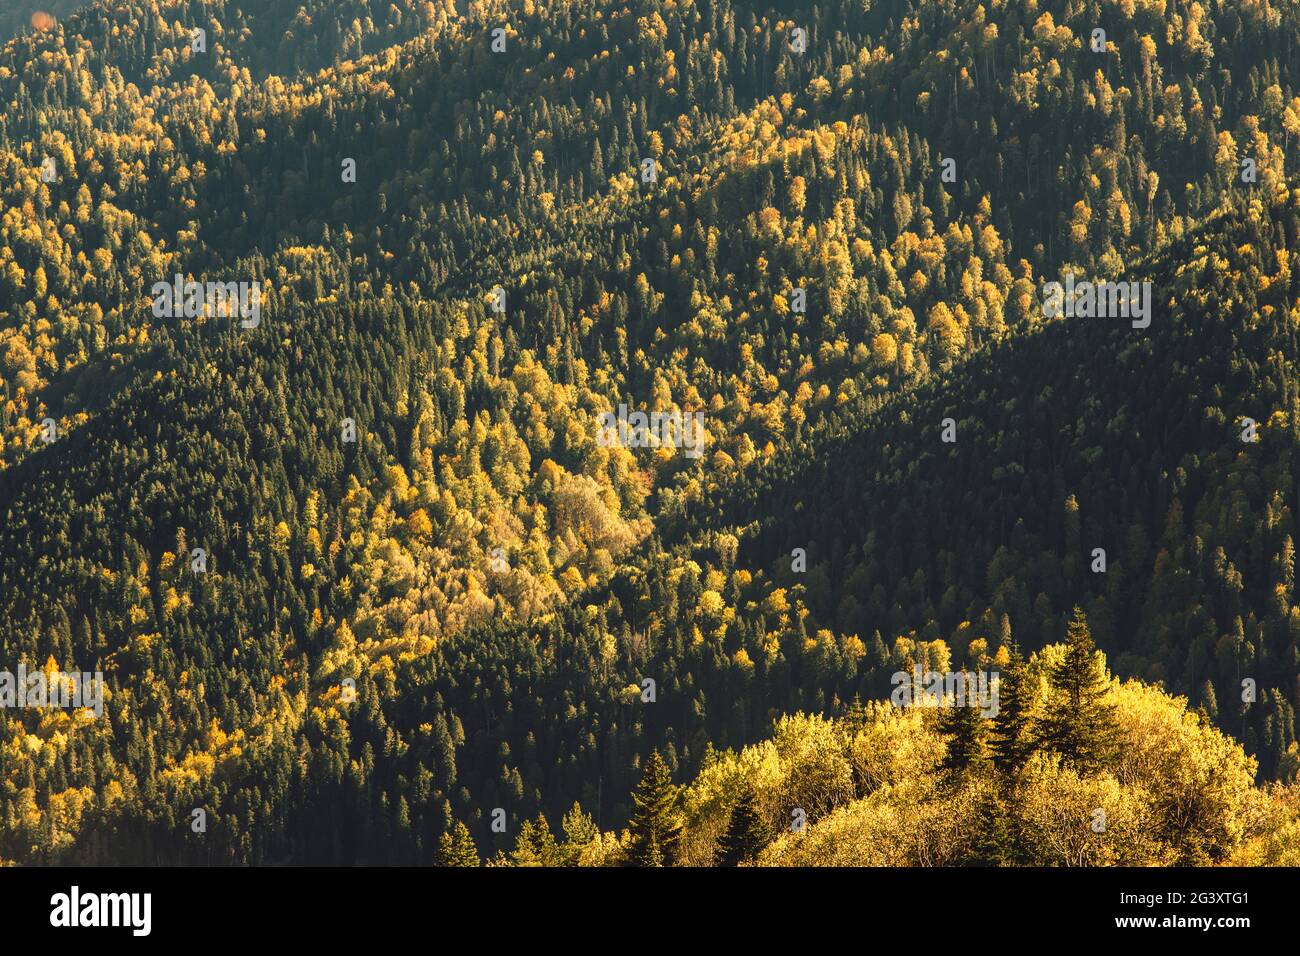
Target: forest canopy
x=369 y=581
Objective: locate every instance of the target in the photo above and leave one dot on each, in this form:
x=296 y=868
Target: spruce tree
x=1011 y=741
x=456 y=848
x=535 y=845
x=961 y=722
x=856 y=718
x=747 y=833
x=580 y=831
x=1209 y=701
x=994 y=843
x=656 y=825
x=1079 y=723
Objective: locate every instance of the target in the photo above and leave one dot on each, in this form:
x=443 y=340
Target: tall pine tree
x=1079 y=722
x=1011 y=741
x=960 y=721
x=456 y=848
x=656 y=820
x=994 y=843
x=747 y=833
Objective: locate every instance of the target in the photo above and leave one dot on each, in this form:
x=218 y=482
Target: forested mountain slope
x=648 y=185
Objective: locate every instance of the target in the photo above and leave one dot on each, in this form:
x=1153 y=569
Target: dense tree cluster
x=659 y=203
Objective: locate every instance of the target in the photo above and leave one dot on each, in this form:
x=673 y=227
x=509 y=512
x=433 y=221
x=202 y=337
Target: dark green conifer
x=1079 y=723
x=1011 y=740
x=960 y=721
x=747 y=832
x=656 y=820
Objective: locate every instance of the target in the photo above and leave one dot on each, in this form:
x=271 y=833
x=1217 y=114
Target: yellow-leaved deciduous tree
x=819 y=88
x=1199 y=781
x=1291 y=122
x=838 y=268
x=1079 y=221
x=884 y=350
x=797 y=194
x=280 y=537
x=708 y=801
x=818 y=777
x=1069 y=820
x=712 y=607
x=902 y=829
x=419 y=525
x=1225 y=158
x=948 y=335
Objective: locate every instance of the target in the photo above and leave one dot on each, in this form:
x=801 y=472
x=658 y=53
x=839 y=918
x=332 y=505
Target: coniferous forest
x=565 y=432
